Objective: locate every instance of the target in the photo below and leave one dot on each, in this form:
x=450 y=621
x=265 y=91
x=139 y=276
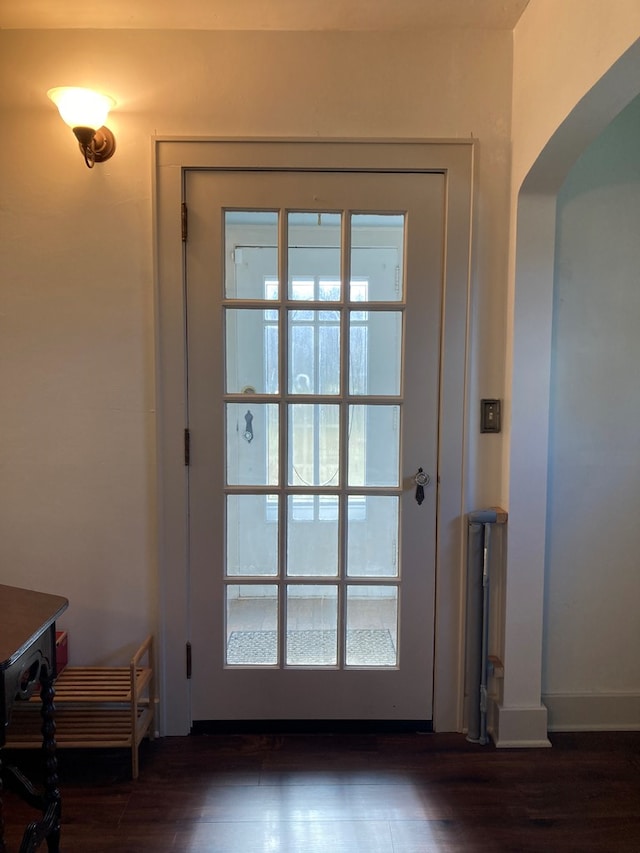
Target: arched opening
x=521 y=715
x=592 y=581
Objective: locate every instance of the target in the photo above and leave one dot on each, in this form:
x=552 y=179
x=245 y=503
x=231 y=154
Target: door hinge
x=187 y=447
x=188 y=660
x=185 y=221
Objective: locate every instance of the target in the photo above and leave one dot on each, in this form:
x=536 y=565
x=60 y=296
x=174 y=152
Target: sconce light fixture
x=86 y=112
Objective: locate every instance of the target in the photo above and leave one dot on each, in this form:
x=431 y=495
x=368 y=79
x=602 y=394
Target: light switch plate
x=489 y=415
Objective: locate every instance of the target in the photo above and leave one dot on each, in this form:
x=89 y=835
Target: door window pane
x=314 y=255
x=374 y=445
x=252 y=625
x=252 y=535
x=251 y=346
x=252 y=444
x=250 y=252
x=372 y=626
x=372 y=536
x=377 y=255
x=314 y=352
x=314 y=441
x=312 y=536
x=375 y=350
x=312 y=625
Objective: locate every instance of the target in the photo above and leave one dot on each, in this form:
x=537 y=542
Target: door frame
x=172 y=158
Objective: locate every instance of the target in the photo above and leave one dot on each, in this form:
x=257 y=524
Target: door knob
x=421 y=480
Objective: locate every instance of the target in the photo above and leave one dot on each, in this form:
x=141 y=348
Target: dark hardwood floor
x=340 y=794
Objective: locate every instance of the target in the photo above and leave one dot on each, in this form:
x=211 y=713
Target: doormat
x=365 y=647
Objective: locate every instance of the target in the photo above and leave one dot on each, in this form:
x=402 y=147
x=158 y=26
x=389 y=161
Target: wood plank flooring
x=406 y=793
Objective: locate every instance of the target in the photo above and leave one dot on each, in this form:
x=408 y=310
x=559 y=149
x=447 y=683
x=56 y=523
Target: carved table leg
x=51 y=780
x=2 y=844
x=49 y=826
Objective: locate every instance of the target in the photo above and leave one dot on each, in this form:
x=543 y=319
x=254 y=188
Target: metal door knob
x=422 y=479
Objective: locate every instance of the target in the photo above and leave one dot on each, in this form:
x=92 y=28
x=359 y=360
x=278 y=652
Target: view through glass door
x=313 y=342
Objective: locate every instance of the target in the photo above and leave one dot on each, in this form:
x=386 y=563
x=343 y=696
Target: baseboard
x=578 y=712
x=349 y=727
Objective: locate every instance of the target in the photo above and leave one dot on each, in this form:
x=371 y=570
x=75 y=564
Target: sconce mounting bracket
x=96 y=146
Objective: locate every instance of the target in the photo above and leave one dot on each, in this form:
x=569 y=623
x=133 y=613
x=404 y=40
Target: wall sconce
x=86 y=112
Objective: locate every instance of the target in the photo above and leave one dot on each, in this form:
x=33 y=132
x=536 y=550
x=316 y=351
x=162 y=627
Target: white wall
x=78 y=497
x=592 y=621
x=77 y=452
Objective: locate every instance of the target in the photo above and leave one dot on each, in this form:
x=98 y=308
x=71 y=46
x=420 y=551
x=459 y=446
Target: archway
x=521 y=718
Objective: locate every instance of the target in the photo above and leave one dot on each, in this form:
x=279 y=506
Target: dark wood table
x=27 y=664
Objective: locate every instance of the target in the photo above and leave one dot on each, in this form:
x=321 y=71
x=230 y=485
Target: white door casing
x=173 y=159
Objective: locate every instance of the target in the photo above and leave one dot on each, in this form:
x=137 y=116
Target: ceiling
x=379 y=15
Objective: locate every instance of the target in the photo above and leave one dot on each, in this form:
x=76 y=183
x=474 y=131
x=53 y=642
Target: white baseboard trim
x=592 y=712
x=518 y=728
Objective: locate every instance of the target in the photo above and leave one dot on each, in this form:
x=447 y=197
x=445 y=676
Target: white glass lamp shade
x=81 y=107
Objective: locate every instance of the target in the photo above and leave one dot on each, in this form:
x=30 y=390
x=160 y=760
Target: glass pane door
x=314 y=589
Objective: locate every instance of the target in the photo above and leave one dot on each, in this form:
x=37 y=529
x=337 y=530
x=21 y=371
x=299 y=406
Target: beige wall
x=77 y=512
x=561 y=50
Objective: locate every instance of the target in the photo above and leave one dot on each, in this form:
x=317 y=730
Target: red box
x=62 y=650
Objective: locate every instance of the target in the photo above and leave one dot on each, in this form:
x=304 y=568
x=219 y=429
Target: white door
x=314 y=317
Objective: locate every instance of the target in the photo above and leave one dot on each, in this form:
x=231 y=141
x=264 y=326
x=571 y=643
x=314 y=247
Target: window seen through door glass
x=255 y=555
x=314 y=352
x=314 y=246
x=312 y=536
x=377 y=255
x=252 y=443
x=293 y=531
x=314 y=436
x=250 y=235
x=250 y=366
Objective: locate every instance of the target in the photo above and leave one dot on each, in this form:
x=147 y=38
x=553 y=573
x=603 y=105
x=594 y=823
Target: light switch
x=489 y=415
